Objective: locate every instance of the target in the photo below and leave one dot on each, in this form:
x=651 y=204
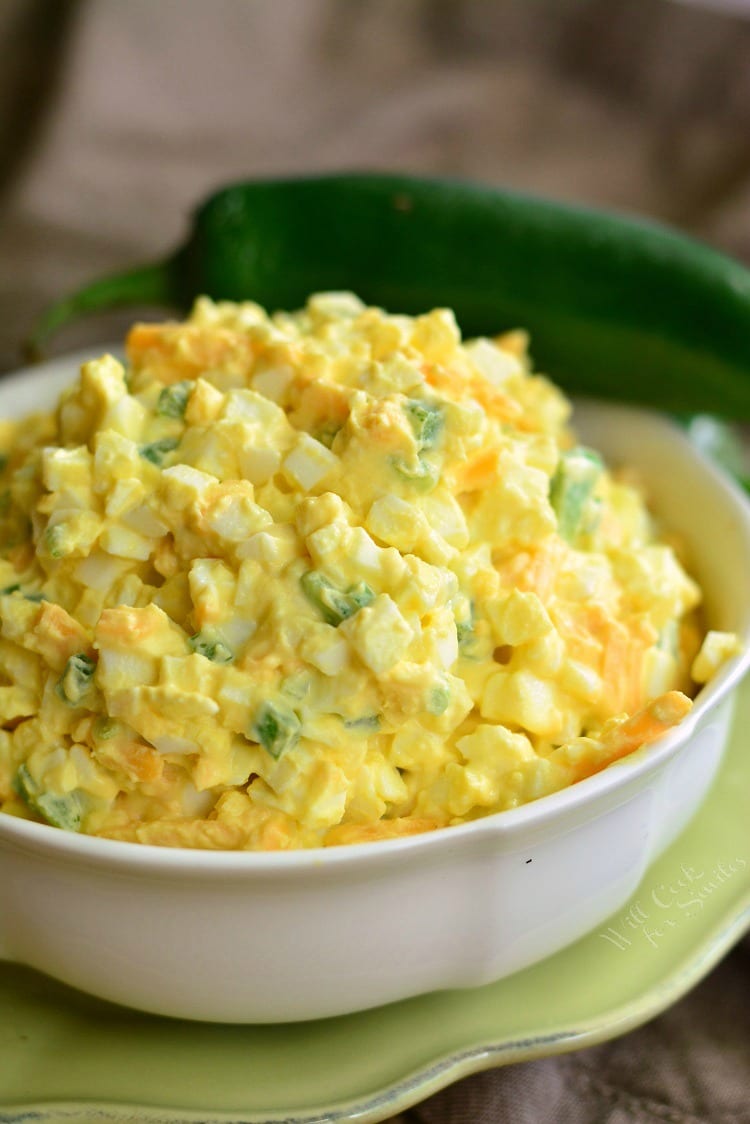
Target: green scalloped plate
x=68 y=1057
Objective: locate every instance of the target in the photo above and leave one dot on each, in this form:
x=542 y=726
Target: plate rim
x=427 y=1080
x=730 y=926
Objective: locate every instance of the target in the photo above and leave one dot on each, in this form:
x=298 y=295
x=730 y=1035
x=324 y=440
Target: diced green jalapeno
x=173 y=399
x=368 y=723
x=426 y=421
x=157 y=451
x=327 y=434
x=360 y=595
x=465 y=634
x=571 y=489
x=212 y=647
x=276 y=727
x=54 y=541
x=422 y=475
x=334 y=604
x=438 y=700
x=59 y=811
x=76 y=679
x=17 y=588
x=105 y=728
x=297 y=686
x=324 y=595
x=24 y=784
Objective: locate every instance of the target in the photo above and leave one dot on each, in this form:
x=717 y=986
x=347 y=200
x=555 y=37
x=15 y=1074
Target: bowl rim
x=536 y=814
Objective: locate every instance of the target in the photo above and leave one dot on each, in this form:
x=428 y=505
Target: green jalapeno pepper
x=616 y=307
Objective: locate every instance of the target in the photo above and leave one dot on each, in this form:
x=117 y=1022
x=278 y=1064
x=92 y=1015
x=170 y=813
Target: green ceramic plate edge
x=67 y=1057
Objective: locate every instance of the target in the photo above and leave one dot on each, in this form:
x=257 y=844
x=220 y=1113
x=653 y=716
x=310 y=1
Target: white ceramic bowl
x=245 y=937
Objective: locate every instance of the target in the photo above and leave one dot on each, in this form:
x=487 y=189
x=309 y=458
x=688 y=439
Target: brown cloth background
x=115 y=118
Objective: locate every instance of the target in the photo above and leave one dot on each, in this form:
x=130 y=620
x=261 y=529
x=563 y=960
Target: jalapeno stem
x=146 y=284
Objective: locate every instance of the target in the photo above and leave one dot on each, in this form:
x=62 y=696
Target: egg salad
x=320 y=578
